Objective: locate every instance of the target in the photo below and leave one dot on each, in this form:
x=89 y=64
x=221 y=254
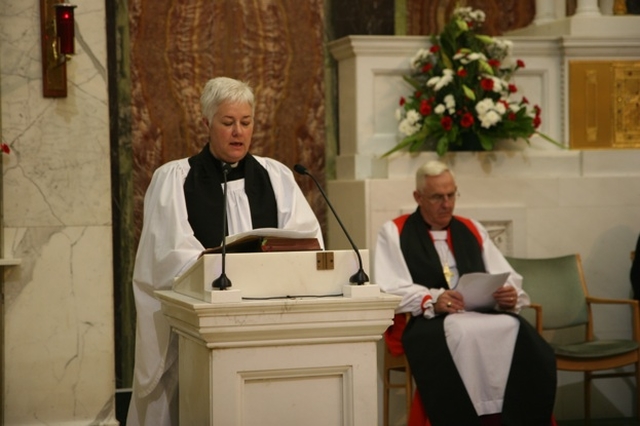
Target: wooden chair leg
x=386 y=390
x=587 y=398
x=638 y=390
x=408 y=391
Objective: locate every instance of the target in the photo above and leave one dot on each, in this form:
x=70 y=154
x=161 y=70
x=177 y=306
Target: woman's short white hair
x=224 y=89
x=432 y=168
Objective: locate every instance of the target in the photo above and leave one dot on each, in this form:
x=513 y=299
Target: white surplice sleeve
x=167 y=247
x=392 y=274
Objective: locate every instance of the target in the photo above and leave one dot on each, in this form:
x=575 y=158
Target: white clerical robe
x=167 y=248
x=481 y=344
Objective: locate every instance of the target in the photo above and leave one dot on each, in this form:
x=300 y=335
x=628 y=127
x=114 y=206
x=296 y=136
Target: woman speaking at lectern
x=183 y=215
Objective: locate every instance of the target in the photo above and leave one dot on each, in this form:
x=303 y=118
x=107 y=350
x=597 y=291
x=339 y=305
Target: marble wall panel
x=58 y=301
x=59 y=327
x=55 y=174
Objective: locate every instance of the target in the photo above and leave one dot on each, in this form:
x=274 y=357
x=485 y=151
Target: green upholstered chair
x=559 y=296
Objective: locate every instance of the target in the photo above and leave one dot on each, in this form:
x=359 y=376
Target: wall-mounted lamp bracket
x=57 y=34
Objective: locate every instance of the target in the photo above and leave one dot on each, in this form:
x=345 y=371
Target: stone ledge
x=528 y=163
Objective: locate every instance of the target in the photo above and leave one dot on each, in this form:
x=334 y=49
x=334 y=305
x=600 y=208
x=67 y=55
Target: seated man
x=470 y=368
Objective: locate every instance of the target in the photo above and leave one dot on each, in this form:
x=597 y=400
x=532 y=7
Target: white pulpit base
x=308 y=361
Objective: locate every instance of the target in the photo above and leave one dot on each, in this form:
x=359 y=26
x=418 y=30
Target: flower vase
x=467 y=142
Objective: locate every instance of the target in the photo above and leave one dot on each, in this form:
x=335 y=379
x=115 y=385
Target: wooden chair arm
x=538 y=310
x=604 y=300
x=635 y=311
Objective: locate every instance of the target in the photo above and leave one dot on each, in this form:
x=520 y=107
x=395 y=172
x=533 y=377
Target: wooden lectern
x=291 y=351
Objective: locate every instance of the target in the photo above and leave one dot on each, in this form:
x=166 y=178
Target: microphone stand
x=222 y=282
x=359 y=277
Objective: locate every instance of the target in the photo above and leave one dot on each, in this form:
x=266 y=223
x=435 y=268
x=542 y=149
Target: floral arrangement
x=462 y=97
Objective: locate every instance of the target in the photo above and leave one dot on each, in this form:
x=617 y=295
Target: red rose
x=467 y=120
x=494 y=63
x=446 y=122
x=520 y=63
x=513 y=88
x=427 y=67
x=486 y=84
x=434 y=49
x=512 y=116
x=536 y=121
x=425 y=108
x=462 y=73
x=525 y=100
x=402 y=101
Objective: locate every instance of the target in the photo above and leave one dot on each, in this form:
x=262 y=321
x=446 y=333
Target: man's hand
x=449 y=302
x=506 y=297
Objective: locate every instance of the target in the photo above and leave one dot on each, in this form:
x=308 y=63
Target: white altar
x=537 y=200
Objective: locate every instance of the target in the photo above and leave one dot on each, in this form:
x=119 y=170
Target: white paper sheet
x=477 y=289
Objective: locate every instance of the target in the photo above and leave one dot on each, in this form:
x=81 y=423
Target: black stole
x=422 y=258
x=204 y=197
x=440 y=386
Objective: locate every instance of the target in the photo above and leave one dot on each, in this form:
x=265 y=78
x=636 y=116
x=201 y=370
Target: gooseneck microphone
x=222 y=282
x=359 y=277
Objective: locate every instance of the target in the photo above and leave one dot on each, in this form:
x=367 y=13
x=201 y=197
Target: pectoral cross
x=447 y=273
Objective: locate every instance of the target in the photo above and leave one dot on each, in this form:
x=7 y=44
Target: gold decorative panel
x=604 y=104
x=626 y=98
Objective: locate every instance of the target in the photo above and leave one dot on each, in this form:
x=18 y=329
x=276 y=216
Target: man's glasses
x=441 y=198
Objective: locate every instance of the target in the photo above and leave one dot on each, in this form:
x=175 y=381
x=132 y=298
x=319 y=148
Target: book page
x=477 y=289
x=271 y=232
x=257 y=235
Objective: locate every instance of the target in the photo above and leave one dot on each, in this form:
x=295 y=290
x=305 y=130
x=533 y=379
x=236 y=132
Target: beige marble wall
x=57 y=220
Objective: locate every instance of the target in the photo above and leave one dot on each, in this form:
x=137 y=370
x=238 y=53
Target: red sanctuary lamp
x=64 y=26
x=57 y=33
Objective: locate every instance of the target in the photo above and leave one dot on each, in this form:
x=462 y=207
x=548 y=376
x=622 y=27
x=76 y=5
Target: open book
x=268 y=239
x=477 y=289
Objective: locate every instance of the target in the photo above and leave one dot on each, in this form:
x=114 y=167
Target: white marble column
x=587 y=8
x=545 y=12
x=606 y=7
